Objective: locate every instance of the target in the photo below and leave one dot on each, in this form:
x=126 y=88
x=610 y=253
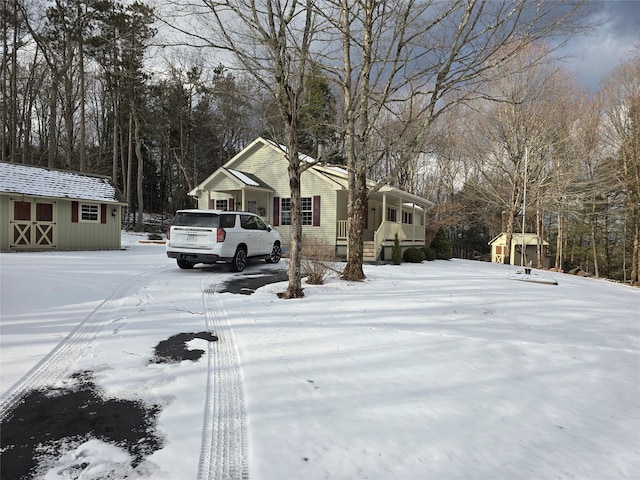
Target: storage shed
x=47 y=209
x=531 y=240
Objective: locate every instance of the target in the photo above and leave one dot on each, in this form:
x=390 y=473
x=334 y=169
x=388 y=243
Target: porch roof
x=243 y=180
x=340 y=176
x=249 y=179
x=407 y=197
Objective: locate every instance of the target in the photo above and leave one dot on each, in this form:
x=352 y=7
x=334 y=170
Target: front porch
x=378 y=244
x=390 y=211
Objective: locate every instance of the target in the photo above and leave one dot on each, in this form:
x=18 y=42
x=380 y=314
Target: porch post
x=384 y=207
x=414 y=217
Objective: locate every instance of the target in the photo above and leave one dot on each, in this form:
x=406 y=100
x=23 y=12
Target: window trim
x=91 y=206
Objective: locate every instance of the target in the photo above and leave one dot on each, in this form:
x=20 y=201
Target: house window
x=285 y=211
x=392 y=215
x=407 y=217
x=306 y=210
x=89 y=213
x=222 y=205
x=309 y=206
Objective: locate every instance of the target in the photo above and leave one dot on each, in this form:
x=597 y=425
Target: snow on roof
x=243 y=177
x=412 y=205
x=337 y=169
x=249 y=179
x=43 y=182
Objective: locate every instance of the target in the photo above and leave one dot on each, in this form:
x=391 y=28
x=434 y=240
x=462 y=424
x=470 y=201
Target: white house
x=256 y=180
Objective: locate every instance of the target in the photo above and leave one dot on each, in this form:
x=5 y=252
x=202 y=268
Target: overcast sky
x=615 y=40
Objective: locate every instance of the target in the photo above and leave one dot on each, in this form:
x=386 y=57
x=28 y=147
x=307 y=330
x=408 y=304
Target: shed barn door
x=32 y=224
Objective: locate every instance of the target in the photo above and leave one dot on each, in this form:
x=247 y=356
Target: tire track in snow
x=223 y=454
x=57 y=363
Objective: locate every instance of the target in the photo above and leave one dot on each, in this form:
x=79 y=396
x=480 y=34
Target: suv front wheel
x=239 y=260
x=276 y=254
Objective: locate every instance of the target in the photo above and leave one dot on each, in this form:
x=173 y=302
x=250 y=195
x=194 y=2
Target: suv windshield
x=195 y=219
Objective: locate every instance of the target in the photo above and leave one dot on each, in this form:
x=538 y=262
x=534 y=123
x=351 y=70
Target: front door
x=32 y=224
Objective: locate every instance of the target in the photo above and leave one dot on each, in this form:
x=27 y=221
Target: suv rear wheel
x=239 y=260
x=184 y=264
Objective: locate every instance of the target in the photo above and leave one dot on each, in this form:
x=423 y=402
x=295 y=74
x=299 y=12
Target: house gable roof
x=22 y=179
x=335 y=176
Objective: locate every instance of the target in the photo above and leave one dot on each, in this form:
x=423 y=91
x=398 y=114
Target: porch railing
x=342 y=230
x=387 y=231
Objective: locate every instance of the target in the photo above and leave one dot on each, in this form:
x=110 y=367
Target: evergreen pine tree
x=441 y=245
x=396 y=254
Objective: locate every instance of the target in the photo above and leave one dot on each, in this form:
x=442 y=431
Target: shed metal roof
x=22 y=179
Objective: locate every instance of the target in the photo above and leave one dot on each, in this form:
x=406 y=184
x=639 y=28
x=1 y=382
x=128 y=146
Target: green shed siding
x=4 y=223
x=88 y=236
x=68 y=235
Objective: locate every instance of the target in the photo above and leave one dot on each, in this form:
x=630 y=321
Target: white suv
x=212 y=236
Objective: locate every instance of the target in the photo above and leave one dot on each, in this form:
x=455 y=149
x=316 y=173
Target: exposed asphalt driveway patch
x=46 y=420
x=248 y=283
x=174 y=349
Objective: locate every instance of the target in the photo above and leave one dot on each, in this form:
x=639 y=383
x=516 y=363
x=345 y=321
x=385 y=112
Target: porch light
x=114 y=212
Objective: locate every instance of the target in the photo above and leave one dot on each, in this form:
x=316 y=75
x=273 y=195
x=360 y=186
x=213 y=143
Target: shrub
x=413 y=255
x=429 y=254
x=441 y=245
x=318 y=258
x=396 y=253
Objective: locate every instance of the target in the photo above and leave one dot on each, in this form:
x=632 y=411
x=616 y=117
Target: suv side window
x=260 y=225
x=227 y=221
x=248 y=222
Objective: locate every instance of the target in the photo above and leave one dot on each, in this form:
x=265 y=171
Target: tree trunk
x=539 y=234
x=114 y=164
x=83 y=120
x=139 y=159
x=594 y=245
x=635 y=256
x=129 y=166
x=355 y=212
x=294 y=289
x=356 y=129
x=559 y=241
x=53 y=117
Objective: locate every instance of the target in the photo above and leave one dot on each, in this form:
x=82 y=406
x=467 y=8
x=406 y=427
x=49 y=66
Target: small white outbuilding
x=531 y=242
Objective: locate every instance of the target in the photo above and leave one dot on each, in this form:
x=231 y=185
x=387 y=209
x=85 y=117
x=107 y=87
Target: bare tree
x=415 y=60
x=270 y=40
x=523 y=133
x=621 y=141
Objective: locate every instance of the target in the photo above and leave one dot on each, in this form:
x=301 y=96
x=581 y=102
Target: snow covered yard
x=435 y=370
